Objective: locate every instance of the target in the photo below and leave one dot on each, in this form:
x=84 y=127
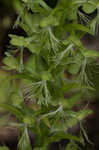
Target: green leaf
x=89 y=8
x=50 y=20
x=33 y=48
x=46 y=75
x=57 y=137
x=25 y=28
x=32 y=22
x=28 y=120
x=17 y=40
x=93 y=26
x=70 y=86
x=24 y=42
x=91 y=53
x=77 y=27
x=4 y=148
x=74 y=68
x=83 y=114
x=40 y=2
x=70 y=102
x=11 y=62
x=41 y=64
x=14 y=110
x=24 y=142
x=44 y=5
x=71 y=146
x=16 y=99
x=26 y=76
x=30 y=65
x=20 y=40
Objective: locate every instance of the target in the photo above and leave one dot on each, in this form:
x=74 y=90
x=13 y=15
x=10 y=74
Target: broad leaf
x=11 y=62
x=89 y=8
